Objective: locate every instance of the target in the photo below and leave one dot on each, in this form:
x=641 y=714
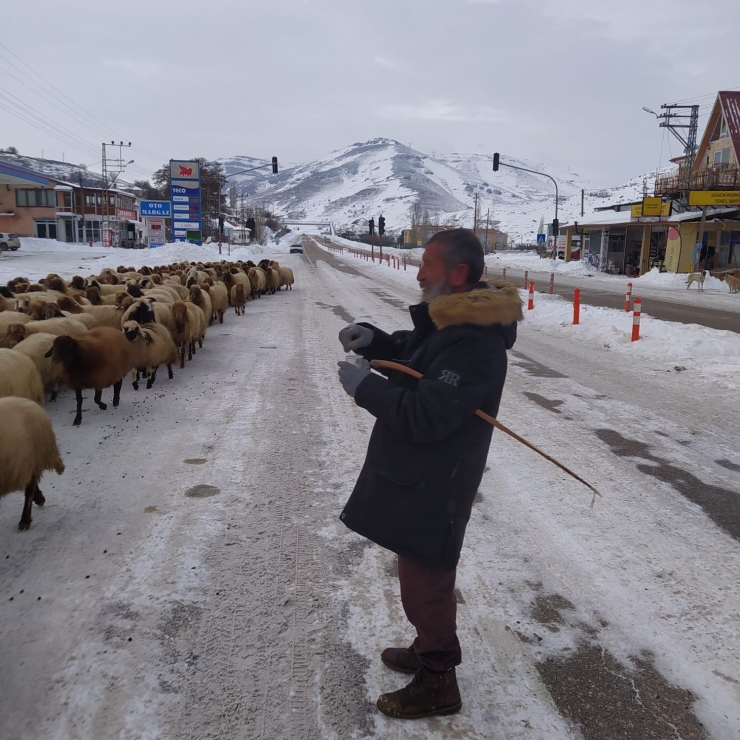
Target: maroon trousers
x=428 y=598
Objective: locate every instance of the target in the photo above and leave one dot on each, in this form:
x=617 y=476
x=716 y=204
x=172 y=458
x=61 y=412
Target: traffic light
x=495 y=161
x=371 y=226
x=555 y=228
x=274 y=166
x=381 y=225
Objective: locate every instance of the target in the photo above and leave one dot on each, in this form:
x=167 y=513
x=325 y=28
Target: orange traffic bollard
x=552 y=282
x=504 y=273
x=628 y=297
x=577 y=306
x=636 y=320
x=530 y=304
x=526 y=278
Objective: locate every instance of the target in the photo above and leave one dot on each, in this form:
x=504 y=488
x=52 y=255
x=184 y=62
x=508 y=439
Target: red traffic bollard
x=526 y=278
x=577 y=306
x=504 y=273
x=636 y=320
x=530 y=304
x=552 y=282
x=628 y=297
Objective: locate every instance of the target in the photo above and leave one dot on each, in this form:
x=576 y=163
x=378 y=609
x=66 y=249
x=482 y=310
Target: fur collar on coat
x=494 y=302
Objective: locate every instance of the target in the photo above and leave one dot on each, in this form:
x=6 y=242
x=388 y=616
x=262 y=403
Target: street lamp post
x=556 y=223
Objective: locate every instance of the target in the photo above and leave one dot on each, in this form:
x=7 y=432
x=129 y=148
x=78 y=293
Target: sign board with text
x=714 y=198
x=156 y=208
x=638 y=211
x=185 y=200
x=652 y=206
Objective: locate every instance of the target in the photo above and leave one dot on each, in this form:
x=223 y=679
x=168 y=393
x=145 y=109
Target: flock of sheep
x=90 y=333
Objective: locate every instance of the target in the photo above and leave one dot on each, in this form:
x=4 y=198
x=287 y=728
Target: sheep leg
x=98 y=399
x=54 y=392
x=200 y=342
x=78 y=417
x=117 y=393
x=220 y=317
x=38 y=497
x=152 y=378
x=135 y=376
x=169 y=372
x=182 y=355
x=25 y=521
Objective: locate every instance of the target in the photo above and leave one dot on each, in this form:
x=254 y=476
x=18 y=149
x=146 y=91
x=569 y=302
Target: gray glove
x=354 y=336
x=350 y=376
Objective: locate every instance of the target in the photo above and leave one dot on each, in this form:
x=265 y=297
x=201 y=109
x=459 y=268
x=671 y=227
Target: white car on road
x=9 y=242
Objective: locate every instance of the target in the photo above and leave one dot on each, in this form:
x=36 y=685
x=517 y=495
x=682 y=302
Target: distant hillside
x=350 y=185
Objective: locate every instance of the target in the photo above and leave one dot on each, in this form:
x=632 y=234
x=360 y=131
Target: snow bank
x=37 y=257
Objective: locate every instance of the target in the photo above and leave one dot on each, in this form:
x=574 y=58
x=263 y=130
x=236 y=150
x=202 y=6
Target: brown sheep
x=96 y=359
x=238 y=299
x=200 y=298
x=28 y=447
x=188 y=324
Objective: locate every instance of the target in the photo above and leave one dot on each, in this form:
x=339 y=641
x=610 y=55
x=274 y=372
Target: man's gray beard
x=434 y=291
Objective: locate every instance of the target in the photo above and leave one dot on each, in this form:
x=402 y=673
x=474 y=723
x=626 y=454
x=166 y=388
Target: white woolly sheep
x=219 y=300
x=28 y=447
x=35 y=347
x=151 y=345
x=19 y=377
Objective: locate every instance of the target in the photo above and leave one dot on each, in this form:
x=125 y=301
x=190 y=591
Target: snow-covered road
x=189 y=578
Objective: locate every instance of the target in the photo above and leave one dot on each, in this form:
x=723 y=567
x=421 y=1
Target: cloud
x=440 y=110
x=386 y=63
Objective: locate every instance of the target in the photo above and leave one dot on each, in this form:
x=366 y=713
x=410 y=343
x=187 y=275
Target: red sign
x=123 y=213
x=185 y=171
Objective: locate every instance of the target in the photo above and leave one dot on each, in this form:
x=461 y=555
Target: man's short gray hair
x=461 y=247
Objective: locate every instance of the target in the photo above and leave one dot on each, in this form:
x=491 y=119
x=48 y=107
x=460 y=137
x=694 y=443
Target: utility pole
x=82 y=204
x=488 y=243
x=112 y=167
x=475 y=214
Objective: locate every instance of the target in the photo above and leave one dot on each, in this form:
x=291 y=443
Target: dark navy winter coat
x=428 y=449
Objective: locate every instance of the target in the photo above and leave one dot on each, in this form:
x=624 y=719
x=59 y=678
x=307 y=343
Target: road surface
x=189 y=576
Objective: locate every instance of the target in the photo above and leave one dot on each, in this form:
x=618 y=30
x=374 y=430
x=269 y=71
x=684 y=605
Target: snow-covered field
x=189 y=577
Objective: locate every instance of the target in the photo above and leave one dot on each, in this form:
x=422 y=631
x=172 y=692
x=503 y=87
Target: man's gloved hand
x=354 y=336
x=350 y=376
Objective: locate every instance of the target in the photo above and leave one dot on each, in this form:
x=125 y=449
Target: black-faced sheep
x=96 y=359
x=151 y=346
x=28 y=447
x=238 y=299
x=19 y=377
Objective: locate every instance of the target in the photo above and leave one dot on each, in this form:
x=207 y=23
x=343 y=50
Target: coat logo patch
x=449 y=377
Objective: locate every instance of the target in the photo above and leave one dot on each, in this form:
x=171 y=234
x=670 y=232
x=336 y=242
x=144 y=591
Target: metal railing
x=719 y=177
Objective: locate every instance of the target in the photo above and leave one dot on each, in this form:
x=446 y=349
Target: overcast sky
x=562 y=82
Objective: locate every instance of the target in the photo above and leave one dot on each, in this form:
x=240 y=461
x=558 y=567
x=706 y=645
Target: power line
x=99 y=127
x=44 y=120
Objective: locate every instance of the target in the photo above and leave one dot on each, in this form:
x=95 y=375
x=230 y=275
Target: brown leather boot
x=403 y=660
x=429 y=693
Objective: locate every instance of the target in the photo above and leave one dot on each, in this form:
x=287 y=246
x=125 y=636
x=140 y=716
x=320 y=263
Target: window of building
x=723 y=133
x=46 y=229
x=722 y=156
x=35 y=198
x=92 y=231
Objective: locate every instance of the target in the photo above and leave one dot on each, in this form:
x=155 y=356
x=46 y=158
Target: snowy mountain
x=350 y=185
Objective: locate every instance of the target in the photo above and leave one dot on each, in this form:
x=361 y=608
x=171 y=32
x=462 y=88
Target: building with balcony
x=696 y=221
x=34 y=204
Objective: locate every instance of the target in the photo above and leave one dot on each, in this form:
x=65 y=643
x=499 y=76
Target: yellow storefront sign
x=665 y=209
x=714 y=198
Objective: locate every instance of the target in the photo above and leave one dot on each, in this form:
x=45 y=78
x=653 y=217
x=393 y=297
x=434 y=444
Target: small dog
x=697 y=277
x=733 y=282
